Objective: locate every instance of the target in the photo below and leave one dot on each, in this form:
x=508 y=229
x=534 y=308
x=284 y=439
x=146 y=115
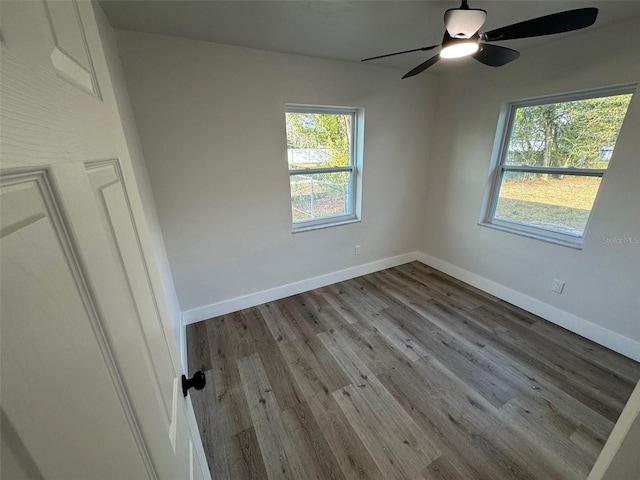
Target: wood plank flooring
x=406 y=373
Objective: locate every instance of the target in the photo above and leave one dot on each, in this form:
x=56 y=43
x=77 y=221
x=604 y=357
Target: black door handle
x=198 y=381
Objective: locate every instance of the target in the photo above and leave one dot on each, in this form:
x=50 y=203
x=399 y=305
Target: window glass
x=554 y=155
x=322 y=165
x=560 y=204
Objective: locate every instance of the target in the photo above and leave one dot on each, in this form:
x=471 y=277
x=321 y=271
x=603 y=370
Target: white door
x=90 y=375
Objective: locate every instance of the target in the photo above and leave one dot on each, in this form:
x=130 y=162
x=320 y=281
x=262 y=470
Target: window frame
x=355 y=167
x=499 y=169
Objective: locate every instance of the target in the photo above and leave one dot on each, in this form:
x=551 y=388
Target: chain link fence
x=317 y=195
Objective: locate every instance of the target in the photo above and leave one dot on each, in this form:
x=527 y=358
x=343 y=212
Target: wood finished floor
x=402 y=374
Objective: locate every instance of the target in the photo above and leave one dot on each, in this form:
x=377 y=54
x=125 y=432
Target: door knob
x=198 y=381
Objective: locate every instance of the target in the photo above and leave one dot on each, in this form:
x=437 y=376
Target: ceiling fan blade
x=495 y=56
x=422 y=67
x=547 y=25
x=421 y=49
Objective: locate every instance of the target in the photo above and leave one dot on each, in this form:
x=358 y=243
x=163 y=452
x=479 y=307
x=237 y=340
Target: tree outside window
x=554 y=155
x=322 y=165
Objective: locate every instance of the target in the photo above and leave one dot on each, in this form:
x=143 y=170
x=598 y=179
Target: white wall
x=211 y=123
x=601 y=298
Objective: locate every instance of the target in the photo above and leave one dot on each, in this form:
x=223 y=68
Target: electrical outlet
x=356 y=250
x=558 y=286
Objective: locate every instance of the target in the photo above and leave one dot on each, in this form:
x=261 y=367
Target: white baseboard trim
x=251 y=300
x=608 y=338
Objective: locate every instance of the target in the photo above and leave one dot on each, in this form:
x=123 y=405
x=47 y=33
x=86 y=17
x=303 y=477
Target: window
x=323 y=153
x=553 y=155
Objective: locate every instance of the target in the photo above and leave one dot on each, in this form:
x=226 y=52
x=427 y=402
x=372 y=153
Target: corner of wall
x=608 y=338
x=257 y=298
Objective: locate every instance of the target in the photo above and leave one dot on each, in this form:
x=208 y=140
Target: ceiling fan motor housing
x=464 y=23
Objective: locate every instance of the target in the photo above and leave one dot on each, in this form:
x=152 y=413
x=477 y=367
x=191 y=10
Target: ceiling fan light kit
x=462 y=37
x=458 y=47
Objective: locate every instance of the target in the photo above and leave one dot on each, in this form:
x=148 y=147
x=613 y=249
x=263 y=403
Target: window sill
x=536 y=236
x=307 y=228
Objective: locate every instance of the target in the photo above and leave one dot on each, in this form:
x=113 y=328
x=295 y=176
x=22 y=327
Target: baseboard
x=251 y=300
x=607 y=338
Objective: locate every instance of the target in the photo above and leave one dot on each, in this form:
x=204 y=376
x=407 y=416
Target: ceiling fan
x=462 y=36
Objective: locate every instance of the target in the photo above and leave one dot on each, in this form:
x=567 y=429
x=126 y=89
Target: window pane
x=318 y=140
x=318 y=195
x=561 y=203
x=579 y=134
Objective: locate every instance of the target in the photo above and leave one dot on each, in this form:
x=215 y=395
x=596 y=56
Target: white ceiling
x=342 y=30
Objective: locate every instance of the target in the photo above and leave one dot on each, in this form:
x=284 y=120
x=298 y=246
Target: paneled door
x=90 y=374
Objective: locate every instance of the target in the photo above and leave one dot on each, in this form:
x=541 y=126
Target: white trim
x=182 y=345
x=619 y=442
x=608 y=338
x=532 y=232
x=572 y=96
x=257 y=298
x=311 y=170
x=198 y=454
x=175 y=398
x=317 y=226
